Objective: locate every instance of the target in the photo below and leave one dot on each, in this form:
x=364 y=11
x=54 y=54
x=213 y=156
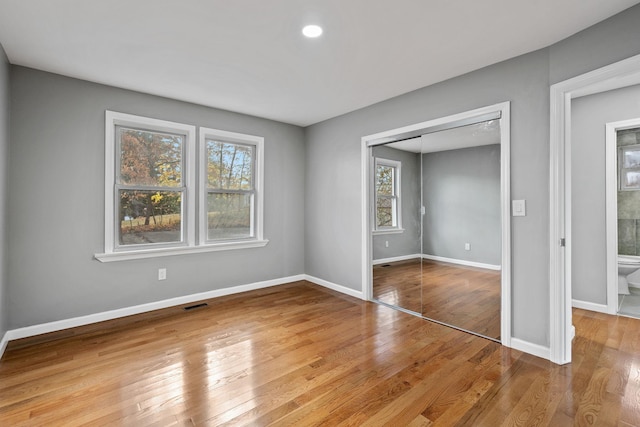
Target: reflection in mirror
x=396 y=248
x=445 y=263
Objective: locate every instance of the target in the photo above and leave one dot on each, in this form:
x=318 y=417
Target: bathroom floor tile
x=630 y=305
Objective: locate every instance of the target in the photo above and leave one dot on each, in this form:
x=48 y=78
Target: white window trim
x=398 y=192
x=184 y=250
x=258 y=180
x=388 y=231
x=190 y=244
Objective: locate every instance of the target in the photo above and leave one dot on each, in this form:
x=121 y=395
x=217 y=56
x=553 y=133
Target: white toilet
x=628 y=273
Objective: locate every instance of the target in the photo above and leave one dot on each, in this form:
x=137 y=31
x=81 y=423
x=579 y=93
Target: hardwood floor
x=301 y=355
x=465 y=297
x=399 y=283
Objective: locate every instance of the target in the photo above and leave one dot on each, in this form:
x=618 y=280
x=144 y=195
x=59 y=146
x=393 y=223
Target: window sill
x=154 y=253
x=390 y=231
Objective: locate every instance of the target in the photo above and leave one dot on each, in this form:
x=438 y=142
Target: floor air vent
x=192 y=307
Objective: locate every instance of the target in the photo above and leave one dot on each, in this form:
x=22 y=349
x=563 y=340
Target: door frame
x=615 y=76
x=367 y=142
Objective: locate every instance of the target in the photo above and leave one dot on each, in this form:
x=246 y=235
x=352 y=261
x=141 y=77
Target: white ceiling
x=249 y=55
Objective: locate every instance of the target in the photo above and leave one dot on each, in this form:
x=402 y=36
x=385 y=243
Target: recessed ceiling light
x=312 y=31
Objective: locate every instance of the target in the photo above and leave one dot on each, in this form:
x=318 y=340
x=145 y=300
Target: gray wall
x=407 y=242
x=588 y=219
x=333 y=236
x=604 y=43
x=56 y=203
x=4 y=150
x=461 y=195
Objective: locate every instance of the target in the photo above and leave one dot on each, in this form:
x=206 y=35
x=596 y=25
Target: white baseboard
x=335 y=287
x=591 y=306
x=59 y=325
x=3 y=343
x=462 y=262
x=535 y=349
x=395 y=259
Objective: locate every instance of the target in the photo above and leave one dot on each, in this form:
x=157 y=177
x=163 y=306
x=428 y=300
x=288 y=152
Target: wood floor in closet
x=462 y=296
x=301 y=355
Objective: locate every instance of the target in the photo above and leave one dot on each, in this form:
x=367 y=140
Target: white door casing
x=618 y=75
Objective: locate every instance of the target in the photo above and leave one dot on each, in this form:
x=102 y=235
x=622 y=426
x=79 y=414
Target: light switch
x=519 y=208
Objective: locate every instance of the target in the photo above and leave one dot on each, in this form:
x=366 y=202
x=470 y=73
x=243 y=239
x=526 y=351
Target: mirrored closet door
x=436 y=239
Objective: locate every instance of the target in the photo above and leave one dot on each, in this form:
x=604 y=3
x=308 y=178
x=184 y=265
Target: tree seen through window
x=150 y=187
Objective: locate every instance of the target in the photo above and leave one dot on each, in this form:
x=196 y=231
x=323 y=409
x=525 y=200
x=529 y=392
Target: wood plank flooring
x=399 y=284
x=465 y=297
x=301 y=355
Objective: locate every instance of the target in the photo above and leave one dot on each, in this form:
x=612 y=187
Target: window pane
x=384 y=180
x=150 y=217
x=632 y=179
x=229 y=166
x=229 y=215
x=384 y=212
x=631 y=158
x=150 y=158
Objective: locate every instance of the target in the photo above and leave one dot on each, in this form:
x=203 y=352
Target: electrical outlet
x=386 y=243
x=162 y=274
x=467 y=246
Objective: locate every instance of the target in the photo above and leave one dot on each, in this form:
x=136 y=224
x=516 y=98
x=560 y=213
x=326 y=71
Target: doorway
x=619 y=75
x=622 y=219
x=424 y=146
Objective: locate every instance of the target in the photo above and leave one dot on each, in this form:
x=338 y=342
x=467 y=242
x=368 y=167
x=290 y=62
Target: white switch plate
x=162 y=274
x=519 y=208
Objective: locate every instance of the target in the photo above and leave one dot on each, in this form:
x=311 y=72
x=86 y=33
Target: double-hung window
x=231 y=177
x=387 y=196
x=155 y=206
x=150 y=173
